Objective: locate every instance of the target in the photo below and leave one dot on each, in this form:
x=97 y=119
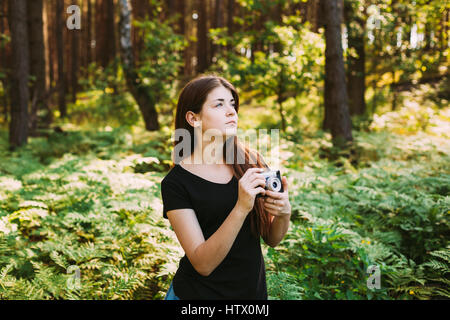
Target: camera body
x=273 y=181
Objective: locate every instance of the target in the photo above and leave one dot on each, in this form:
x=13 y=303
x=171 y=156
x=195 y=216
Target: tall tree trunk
x=74 y=67
x=337 y=117
x=189 y=51
x=48 y=117
x=49 y=8
x=105 y=32
x=278 y=18
x=444 y=31
x=281 y=90
x=356 y=73
x=202 y=50
x=218 y=23
x=230 y=22
x=18 y=129
x=180 y=6
x=312 y=14
x=140 y=10
x=45 y=23
x=60 y=25
x=37 y=60
x=144 y=100
x=257 y=43
x=88 y=43
x=170 y=5
x=111 y=30
x=101 y=56
x=3 y=62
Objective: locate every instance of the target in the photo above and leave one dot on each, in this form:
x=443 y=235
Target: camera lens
x=274 y=184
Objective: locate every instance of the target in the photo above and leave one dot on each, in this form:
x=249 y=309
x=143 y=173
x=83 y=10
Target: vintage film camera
x=273 y=181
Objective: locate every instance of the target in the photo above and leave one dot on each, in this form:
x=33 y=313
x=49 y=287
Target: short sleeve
x=174 y=196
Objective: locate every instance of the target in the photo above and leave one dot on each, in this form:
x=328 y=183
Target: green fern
x=283 y=286
x=437 y=271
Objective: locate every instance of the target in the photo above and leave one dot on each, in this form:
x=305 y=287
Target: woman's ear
x=192 y=118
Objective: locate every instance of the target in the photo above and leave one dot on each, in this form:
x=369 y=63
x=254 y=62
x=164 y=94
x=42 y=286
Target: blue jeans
x=171 y=294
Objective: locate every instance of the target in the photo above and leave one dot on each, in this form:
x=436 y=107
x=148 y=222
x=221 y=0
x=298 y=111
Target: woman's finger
x=258 y=182
x=258 y=190
x=256 y=175
x=273 y=206
x=253 y=170
x=273 y=200
x=285 y=183
x=274 y=212
x=276 y=195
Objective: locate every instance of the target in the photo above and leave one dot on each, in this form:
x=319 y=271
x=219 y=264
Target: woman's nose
x=231 y=109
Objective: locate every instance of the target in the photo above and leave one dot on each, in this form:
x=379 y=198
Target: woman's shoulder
x=175 y=175
x=174 y=172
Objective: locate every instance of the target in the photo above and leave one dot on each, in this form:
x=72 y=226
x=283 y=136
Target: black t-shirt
x=241 y=275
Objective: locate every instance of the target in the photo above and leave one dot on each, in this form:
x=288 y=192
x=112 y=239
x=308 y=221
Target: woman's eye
x=220 y=104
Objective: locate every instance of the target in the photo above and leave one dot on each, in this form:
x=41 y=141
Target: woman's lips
x=231 y=122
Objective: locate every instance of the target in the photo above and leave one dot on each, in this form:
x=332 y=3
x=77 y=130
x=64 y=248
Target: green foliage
x=283 y=286
x=328 y=259
x=390 y=210
x=4 y=40
x=161 y=58
x=96 y=215
x=413 y=118
x=91 y=199
x=290 y=60
x=436 y=271
x=106 y=102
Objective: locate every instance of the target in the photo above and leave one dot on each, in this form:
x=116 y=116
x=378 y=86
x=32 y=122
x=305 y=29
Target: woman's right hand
x=250 y=184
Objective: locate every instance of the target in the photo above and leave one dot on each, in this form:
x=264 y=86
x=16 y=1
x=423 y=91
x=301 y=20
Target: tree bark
x=356 y=75
x=180 y=27
x=37 y=60
x=140 y=10
x=202 y=39
x=88 y=43
x=218 y=23
x=50 y=44
x=230 y=22
x=60 y=25
x=74 y=66
x=180 y=10
x=18 y=129
x=278 y=18
x=337 y=117
x=111 y=30
x=3 y=58
x=144 y=100
x=189 y=51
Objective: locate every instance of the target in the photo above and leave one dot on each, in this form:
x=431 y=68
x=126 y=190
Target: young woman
x=213 y=208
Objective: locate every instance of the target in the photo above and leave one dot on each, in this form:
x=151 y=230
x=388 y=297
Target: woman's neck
x=207 y=154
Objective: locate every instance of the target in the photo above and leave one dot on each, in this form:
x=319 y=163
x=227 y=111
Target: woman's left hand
x=277 y=203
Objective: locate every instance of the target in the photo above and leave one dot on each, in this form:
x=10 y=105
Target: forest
x=358 y=90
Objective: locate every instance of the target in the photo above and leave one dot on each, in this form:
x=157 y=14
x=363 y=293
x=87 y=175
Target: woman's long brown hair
x=192 y=98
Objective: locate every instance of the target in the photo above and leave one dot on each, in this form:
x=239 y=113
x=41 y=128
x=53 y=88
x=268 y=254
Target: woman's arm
x=278 y=229
x=205 y=256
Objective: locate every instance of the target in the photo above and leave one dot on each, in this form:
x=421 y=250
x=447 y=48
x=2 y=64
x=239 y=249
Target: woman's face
x=218 y=112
